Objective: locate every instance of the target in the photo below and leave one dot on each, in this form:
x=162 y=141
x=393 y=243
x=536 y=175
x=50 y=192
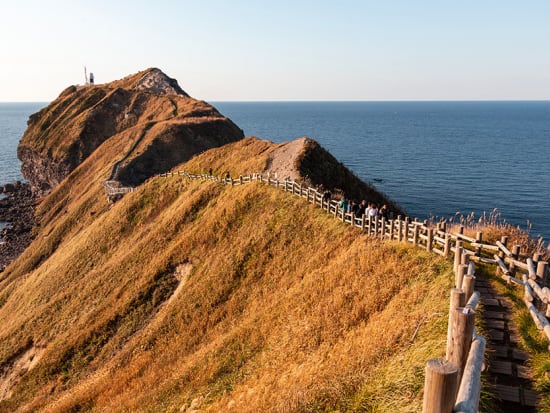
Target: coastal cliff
x=161 y=123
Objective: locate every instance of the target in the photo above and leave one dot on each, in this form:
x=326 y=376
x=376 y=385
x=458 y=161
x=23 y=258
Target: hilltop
x=190 y=296
x=148 y=122
x=157 y=125
x=302 y=160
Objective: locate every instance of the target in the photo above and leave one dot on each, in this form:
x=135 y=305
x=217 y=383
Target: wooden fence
x=452 y=384
x=113 y=189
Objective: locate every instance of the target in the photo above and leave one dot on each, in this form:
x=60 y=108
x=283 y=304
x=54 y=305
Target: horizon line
x=379 y=100
x=330 y=100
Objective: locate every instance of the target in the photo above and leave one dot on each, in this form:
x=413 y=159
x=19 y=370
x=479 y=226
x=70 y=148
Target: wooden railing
x=113 y=189
x=452 y=384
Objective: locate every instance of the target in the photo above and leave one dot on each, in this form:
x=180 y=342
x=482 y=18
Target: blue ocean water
x=13 y=122
x=433 y=158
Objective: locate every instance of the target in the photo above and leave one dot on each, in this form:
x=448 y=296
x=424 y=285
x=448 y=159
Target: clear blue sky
x=282 y=50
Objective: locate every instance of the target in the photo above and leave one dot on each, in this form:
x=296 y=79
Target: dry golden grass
x=494 y=227
x=281 y=308
x=195 y=296
x=246 y=156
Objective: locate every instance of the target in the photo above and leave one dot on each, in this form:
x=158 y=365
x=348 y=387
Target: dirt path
x=116 y=165
x=283 y=159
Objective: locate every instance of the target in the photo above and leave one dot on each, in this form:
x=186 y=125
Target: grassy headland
x=193 y=295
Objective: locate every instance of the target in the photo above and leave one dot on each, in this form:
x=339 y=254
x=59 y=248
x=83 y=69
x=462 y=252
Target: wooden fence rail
x=452 y=384
x=113 y=189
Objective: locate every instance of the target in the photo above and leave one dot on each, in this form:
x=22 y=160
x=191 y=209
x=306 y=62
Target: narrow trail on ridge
x=116 y=165
x=148 y=126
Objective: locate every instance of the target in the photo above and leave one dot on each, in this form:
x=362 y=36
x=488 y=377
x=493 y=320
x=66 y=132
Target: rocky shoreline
x=17 y=210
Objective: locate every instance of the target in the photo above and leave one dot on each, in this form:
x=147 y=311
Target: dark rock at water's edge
x=8 y=188
x=16 y=209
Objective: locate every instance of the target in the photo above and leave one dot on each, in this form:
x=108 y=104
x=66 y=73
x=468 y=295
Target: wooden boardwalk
x=509 y=376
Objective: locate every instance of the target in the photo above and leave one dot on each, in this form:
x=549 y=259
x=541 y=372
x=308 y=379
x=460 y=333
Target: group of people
x=358 y=209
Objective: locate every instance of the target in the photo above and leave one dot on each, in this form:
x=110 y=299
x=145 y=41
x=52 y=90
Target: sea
x=13 y=122
x=433 y=158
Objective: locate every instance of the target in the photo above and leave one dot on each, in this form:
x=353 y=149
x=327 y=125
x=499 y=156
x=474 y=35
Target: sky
x=245 y=50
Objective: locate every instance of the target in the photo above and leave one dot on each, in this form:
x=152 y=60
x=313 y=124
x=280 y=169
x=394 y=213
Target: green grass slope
x=191 y=296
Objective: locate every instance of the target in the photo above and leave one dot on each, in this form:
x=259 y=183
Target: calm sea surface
x=13 y=122
x=433 y=158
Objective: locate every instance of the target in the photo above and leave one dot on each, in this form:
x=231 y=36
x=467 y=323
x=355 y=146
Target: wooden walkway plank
x=509 y=377
x=501 y=367
x=507 y=393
